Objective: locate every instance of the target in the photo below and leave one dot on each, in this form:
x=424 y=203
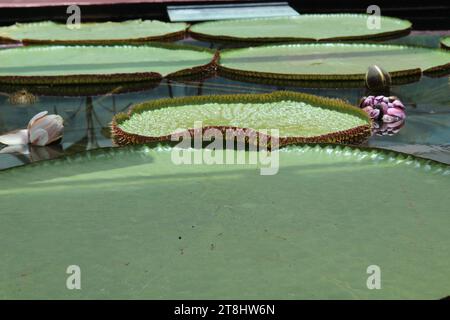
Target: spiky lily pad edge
x=314 y=83
x=373 y=153
x=382 y=36
x=354 y=135
x=194 y=73
x=436 y=71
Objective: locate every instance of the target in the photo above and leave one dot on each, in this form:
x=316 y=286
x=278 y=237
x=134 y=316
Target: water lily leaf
x=307 y=27
x=445 y=43
x=102 y=64
x=210 y=231
x=331 y=61
x=48 y=32
x=298 y=117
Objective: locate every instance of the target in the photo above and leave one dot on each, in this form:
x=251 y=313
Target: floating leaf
x=307 y=27
x=331 y=61
x=298 y=117
x=48 y=32
x=210 y=231
x=101 y=64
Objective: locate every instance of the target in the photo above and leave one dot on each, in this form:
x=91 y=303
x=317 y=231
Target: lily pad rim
x=377 y=36
x=333 y=77
x=171 y=36
x=143 y=148
x=316 y=83
x=360 y=132
x=205 y=70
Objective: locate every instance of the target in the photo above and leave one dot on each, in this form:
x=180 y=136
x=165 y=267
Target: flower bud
x=42 y=130
x=45 y=129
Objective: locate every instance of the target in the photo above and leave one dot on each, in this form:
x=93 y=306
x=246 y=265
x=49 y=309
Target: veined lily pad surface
x=104 y=32
x=331 y=61
x=445 y=42
x=314 y=27
x=94 y=64
x=141 y=227
x=297 y=117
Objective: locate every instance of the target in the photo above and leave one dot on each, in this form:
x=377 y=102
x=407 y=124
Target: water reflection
x=88 y=111
x=381 y=128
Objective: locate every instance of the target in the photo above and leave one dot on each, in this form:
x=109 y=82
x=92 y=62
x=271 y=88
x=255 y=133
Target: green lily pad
x=331 y=61
x=141 y=227
x=101 y=64
x=48 y=32
x=445 y=42
x=307 y=27
x=297 y=117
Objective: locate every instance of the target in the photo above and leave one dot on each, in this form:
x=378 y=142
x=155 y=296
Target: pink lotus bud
x=368 y=100
x=374 y=113
x=379 y=99
x=396 y=126
x=388 y=128
x=388 y=119
x=384 y=107
x=398 y=104
x=396 y=112
x=387 y=109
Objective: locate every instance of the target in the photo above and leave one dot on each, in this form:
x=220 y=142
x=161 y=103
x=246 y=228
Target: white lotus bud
x=17 y=137
x=44 y=129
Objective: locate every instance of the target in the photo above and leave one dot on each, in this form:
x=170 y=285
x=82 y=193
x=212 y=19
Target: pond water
x=87 y=117
x=138 y=223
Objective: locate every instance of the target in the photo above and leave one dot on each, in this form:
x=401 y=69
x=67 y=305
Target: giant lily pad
x=141 y=227
x=298 y=118
x=331 y=61
x=445 y=42
x=48 y=32
x=308 y=27
x=101 y=64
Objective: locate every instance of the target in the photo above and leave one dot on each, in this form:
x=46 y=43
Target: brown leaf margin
x=194 y=72
x=167 y=37
x=398 y=77
x=382 y=36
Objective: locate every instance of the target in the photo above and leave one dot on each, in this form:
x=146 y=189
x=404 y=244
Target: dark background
x=425 y=15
